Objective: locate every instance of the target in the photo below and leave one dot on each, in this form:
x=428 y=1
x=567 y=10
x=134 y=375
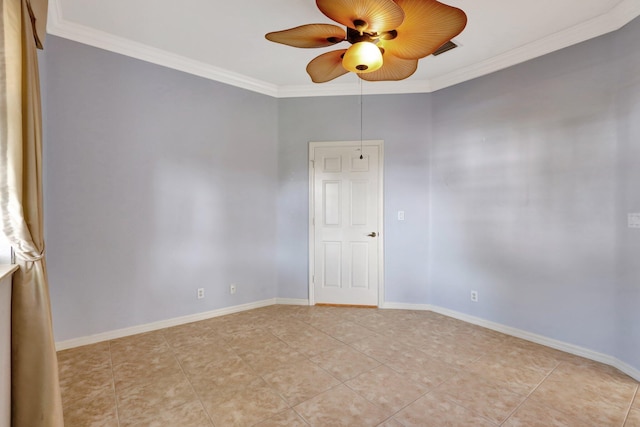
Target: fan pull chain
x=361 y=156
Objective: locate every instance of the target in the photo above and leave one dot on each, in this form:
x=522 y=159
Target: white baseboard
x=154 y=326
x=519 y=333
x=403 y=306
x=292 y=301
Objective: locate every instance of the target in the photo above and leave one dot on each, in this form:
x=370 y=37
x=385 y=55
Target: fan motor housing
x=354 y=36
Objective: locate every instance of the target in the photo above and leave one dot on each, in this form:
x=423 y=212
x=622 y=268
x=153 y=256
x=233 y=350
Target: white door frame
x=379 y=240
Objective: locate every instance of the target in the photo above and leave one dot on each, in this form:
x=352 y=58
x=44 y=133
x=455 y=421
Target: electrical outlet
x=200 y=293
x=232 y=289
x=474 y=296
x=634 y=220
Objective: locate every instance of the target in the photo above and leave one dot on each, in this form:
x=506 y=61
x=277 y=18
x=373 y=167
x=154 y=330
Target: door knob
x=372 y=234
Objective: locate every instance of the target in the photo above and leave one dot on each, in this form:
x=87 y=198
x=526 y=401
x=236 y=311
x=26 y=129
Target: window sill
x=6 y=270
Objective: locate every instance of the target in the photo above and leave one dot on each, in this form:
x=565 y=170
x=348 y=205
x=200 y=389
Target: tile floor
x=327 y=366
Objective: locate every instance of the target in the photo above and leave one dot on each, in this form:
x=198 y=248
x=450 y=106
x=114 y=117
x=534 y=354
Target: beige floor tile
x=132 y=348
x=76 y=360
x=595 y=409
x=532 y=414
x=100 y=411
x=288 y=327
x=234 y=323
x=522 y=380
x=193 y=358
x=344 y=362
x=247 y=406
x=132 y=357
x=271 y=358
x=532 y=356
x=633 y=419
x=311 y=342
x=381 y=348
x=417 y=366
x=340 y=406
x=434 y=410
x=300 y=381
x=85 y=385
x=145 y=369
x=596 y=378
x=452 y=351
x=216 y=371
x=217 y=380
x=287 y=418
x=253 y=339
x=485 y=398
x=588 y=390
x=373 y=320
x=187 y=415
x=164 y=392
x=387 y=389
x=347 y=332
x=191 y=333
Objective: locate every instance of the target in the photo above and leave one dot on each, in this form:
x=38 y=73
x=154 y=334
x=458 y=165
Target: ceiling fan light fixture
x=362 y=57
x=401 y=31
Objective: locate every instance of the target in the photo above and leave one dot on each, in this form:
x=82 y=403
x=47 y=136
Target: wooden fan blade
x=393 y=68
x=428 y=25
x=364 y=15
x=327 y=66
x=310 y=35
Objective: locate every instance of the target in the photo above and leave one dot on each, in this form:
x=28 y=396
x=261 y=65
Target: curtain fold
x=35 y=391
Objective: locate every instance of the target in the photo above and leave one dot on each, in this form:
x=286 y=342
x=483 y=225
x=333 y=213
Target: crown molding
x=622 y=14
x=617 y=18
x=368 y=88
x=58 y=26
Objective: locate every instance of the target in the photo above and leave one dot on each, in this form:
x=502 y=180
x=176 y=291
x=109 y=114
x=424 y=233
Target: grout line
x=113 y=380
x=187 y=378
x=531 y=393
x=635 y=396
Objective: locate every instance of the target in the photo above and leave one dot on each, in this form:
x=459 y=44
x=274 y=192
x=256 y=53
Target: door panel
x=359 y=265
x=332 y=203
x=346 y=224
x=332 y=265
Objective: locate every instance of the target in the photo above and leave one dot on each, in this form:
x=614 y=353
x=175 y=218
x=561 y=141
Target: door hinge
x=313 y=279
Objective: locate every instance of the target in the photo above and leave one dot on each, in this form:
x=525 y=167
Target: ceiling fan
x=388 y=37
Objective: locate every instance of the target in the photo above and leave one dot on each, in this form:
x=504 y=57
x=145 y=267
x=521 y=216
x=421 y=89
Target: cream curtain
x=35 y=392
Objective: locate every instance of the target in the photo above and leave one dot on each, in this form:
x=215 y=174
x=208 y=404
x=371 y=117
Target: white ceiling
x=224 y=40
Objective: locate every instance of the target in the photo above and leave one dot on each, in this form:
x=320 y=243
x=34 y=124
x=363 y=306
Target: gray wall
x=627 y=95
x=402 y=121
x=524 y=197
x=157 y=183
x=533 y=172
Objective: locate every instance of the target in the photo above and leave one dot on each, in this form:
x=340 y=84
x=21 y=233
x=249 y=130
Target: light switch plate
x=634 y=220
x=400 y=215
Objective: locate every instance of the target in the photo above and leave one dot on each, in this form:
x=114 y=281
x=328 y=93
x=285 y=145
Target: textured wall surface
x=402 y=122
x=157 y=183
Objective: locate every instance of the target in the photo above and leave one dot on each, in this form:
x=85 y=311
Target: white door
x=346 y=223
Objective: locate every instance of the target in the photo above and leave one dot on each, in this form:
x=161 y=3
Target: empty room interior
x=199 y=220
